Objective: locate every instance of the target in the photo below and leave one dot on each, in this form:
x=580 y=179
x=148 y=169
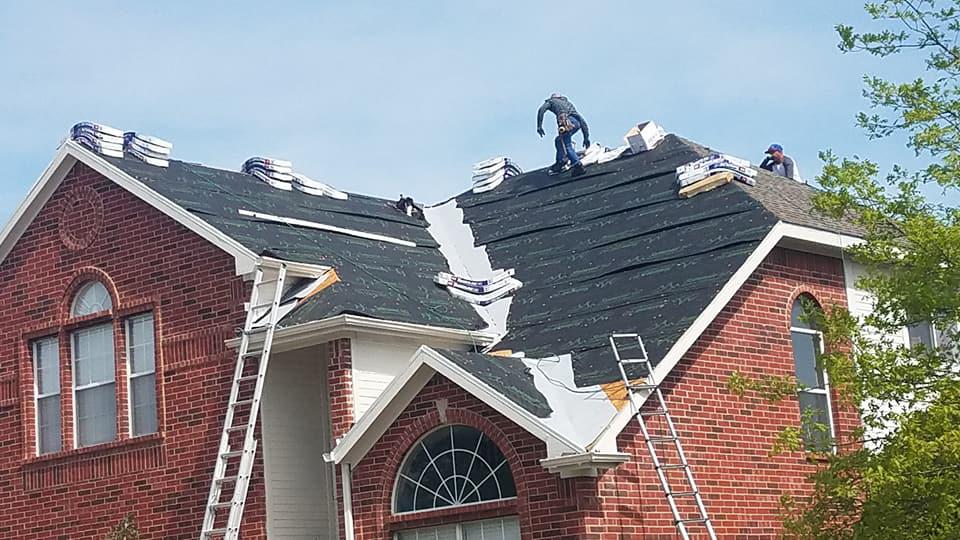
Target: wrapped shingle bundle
x=99 y=138
x=481 y=292
x=598 y=153
x=715 y=163
x=151 y=150
x=312 y=187
x=276 y=172
x=488 y=174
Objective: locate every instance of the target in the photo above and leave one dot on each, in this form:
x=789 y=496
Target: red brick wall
x=727 y=439
x=340 y=392
x=92 y=228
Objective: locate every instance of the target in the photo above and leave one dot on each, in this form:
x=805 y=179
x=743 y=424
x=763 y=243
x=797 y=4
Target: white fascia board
x=245 y=260
x=398 y=394
x=39 y=194
x=296 y=269
x=779 y=232
x=586 y=464
x=317 y=332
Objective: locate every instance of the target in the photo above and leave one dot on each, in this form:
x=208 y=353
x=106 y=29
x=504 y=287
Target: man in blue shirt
x=569 y=122
x=780 y=164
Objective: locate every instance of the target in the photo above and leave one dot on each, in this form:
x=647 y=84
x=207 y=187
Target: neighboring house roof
x=377 y=279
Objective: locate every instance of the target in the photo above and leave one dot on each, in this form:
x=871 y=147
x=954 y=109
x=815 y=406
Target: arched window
x=452 y=466
x=814 y=393
x=91 y=298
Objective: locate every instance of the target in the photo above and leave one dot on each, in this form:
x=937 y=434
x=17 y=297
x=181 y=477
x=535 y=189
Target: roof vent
x=713 y=171
x=100 y=138
x=276 y=172
x=488 y=174
x=312 y=187
x=645 y=136
x=150 y=150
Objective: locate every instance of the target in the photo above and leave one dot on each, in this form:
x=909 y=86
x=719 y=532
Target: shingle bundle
x=276 y=172
x=99 y=138
x=597 y=153
x=490 y=173
x=716 y=163
x=481 y=292
x=313 y=187
x=151 y=150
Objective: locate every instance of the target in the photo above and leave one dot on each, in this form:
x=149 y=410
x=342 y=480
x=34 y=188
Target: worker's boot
x=556 y=168
x=578 y=170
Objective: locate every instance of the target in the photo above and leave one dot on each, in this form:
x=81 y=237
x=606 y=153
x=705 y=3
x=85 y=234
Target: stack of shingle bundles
x=312 y=187
x=276 y=172
x=712 y=171
x=597 y=153
x=482 y=292
x=490 y=173
x=151 y=150
x=99 y=138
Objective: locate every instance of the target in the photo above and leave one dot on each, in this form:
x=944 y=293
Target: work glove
x=586 y=144
x=540 y=131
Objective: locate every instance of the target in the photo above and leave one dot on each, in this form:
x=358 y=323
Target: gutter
x=315 y=332
x=345 y=473
x=586 y=464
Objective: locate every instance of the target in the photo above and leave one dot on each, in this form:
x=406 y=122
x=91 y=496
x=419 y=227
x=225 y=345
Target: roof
x=377 y=279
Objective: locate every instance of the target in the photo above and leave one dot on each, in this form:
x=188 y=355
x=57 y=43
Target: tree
x=900 y=476
x=125 y=530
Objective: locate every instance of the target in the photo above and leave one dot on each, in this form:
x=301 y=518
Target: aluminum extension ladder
x=238 y=447
x=690 y=489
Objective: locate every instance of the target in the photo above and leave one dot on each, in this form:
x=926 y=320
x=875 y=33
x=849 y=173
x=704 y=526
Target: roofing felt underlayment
x=378 y=279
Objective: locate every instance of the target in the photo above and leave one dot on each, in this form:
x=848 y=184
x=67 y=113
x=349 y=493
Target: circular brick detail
x=80 y=218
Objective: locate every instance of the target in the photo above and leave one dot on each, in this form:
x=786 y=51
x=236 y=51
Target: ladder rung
x=257 y=330
x=246 y=378
x=633 y=360
x=643 y=387
x=227 y=480
x=221 y=505
x=683 y=494
x=234 y=429
x=673 y=467
x=661 y=439
x=233 y=454
x=693 y=520
x=261 y=306
x=242 y=402
x=215 y=532
x=619 y=336
x=268 y=281
x=655 y=412
x=252 y=354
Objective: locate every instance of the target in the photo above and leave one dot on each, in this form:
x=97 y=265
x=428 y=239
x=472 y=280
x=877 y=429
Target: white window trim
x=459 y=525
x=74 y=388
x=826 y=380
x=128 y=329
x=36 y=392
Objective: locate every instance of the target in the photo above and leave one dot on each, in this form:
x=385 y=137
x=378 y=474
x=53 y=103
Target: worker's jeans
x=564 y=144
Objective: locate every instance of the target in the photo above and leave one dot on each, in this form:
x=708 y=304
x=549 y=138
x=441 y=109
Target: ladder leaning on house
x=238 y=447
x=650 y=385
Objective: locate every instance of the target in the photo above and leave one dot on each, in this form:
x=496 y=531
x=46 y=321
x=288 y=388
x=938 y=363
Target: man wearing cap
x=569 y=122
x=780 y=164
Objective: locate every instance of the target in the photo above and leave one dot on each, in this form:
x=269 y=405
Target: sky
x=385 y=98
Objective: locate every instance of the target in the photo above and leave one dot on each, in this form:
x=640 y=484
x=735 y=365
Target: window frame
x=37 y=397
x=459 y=526
x=419 y=442
x=819 y=350
x=128 y=333
x=85 y=288
x=74 y=387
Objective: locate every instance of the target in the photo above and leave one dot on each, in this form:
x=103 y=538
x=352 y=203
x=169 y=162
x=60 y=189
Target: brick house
x=122 y=285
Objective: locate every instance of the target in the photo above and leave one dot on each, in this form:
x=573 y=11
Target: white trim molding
x=66 y=157
x=591 y=464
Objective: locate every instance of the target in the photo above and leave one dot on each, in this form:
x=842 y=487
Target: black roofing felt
x=612 y=251
x=378 y=279
x=508 y=376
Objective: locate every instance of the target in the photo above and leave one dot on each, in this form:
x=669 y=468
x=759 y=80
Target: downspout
x=345 y=472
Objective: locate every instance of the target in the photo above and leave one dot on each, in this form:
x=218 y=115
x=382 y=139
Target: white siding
x=296 y=432
x=375 y=364
x=861 y=302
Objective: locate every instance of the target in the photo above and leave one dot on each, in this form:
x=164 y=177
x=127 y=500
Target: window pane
x=447 y=532
x=815 y=416
x=805 y=350
x=48 y=366
x=96 y=415
x=140 y=344
x=91 y=298
x=93 y=355
x=48 y=420
x=797 y=313
x=492 y=529
x=143 y=399
x=921 y=334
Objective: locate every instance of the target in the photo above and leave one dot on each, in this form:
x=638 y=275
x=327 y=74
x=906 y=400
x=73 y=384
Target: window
x=453 y=466
x=491 y=529
x=814 y=394
x=91 y=298
x=46 y=376
x=922 y=334
x=141 y=367
x=94 y=385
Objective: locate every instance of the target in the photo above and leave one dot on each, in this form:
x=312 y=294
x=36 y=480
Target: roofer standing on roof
x=569 y=122
x=780 y=164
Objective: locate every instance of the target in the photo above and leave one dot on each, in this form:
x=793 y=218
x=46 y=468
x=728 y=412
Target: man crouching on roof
x=569 y=122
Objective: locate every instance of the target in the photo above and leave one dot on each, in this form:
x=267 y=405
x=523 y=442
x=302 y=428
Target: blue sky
x=402 y=97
